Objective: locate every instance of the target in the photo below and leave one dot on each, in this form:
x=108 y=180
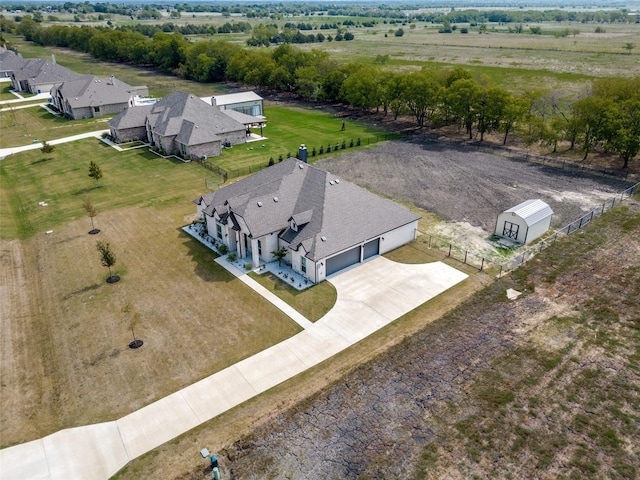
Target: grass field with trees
x=566 y=82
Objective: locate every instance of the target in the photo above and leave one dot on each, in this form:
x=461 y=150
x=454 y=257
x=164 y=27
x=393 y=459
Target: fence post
x=449 y=254
x=482 y=264
x=500 y=274
x=465 y=257
x=429 y=241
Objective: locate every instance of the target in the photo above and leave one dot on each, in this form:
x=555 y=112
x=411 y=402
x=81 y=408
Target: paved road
x=370 y=296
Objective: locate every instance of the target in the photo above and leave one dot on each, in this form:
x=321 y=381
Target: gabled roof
x=168 y=114
x=132 y=117
x=40 y=71
x=531 y=211
x=191 y=120
x=10 y=60
x=243 y=117
x=240 y=97
x=92 y=91
x=334 y=214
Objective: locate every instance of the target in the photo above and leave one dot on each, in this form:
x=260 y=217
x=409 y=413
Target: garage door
x=371 y=248
x=343 y=260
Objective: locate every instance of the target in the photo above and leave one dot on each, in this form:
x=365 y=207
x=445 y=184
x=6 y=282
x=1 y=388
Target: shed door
x=371 y=248
x=343 y=260
x=510 y=230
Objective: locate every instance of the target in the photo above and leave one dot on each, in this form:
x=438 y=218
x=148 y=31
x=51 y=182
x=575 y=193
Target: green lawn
x=61 y=180
x=313 y=303
x=21 y=126
x=287 y=128
x=5 y=94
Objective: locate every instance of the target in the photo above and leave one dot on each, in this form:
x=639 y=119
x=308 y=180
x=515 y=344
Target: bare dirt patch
x=468 y=189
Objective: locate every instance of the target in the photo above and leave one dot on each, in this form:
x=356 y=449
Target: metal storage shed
x=524 y=222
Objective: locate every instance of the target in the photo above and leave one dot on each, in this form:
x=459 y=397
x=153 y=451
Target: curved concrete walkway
x=32 y=146
x=370 y=296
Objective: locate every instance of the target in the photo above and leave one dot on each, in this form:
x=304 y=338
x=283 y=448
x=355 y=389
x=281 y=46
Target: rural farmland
x=528 y=374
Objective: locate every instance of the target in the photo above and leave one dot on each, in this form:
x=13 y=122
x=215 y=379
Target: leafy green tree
x=95 y=172
x=514 y=112
x=280 y=253
x=421 y=95
x=107 y=256
x=620 y=129
x=465 y=98
x=47 y=148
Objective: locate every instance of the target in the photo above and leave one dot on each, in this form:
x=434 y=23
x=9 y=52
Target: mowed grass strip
x=288 y=127
x=313 y=303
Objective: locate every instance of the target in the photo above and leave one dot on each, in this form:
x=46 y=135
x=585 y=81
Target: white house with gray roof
x=180 y=123
x=324 y=222
x=91 y=96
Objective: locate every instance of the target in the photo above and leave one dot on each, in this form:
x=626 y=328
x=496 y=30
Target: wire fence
x=313 y=152
x=481 y=262
x=510 y=152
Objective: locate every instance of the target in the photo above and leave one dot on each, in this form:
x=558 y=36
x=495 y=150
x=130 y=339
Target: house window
x=219 y=231
x=259 y=248
x=96 y=109
x=303 y=264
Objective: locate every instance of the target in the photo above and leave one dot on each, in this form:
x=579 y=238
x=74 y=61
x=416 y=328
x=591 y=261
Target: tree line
x=606 y=116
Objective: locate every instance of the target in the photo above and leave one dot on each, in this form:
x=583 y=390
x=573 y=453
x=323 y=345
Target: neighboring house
x=10 y=61
x=91 y=96
x=40 y=76
x=525 y=222
x=249 y=103
x=325 y=223
x=181 y=124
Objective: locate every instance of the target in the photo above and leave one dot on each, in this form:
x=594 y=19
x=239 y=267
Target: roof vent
x=330 y=182
x=300 y=166
x=259 y=204
x=275 y=199
x=337 y=180
x=324 y=239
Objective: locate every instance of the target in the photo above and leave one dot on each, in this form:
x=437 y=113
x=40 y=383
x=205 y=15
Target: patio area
x=245 y=265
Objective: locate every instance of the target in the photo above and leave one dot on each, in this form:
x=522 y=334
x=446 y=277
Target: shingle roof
x=131 y=117
x=531 y=211
x=168 y=114
x=10 y=60
x=191 y=120
x=334 y=209
x=92 y=91
x=40 y=71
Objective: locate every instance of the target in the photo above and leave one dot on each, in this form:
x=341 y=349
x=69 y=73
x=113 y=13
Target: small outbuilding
x=525 y=222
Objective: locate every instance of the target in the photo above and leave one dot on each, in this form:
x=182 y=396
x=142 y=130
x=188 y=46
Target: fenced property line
x=510 y=152
x=481 y=262
x=453 y=251
x=568 y=229
x=313 y=153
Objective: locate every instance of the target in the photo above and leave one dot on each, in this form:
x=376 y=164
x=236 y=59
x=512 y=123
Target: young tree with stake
x=95 y=172
x=108 y=259
x=92 y=211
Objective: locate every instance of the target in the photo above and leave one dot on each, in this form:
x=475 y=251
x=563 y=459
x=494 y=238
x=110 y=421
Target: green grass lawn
x=61 y=179
x=289 y=127
x=5 y=94
x=20 y=126
x=313 y=303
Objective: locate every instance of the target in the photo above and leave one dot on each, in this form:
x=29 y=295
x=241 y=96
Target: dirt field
x=469 y=189
x=543 y=387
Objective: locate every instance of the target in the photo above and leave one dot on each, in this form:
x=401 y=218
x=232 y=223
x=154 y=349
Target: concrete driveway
x=370 y=296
